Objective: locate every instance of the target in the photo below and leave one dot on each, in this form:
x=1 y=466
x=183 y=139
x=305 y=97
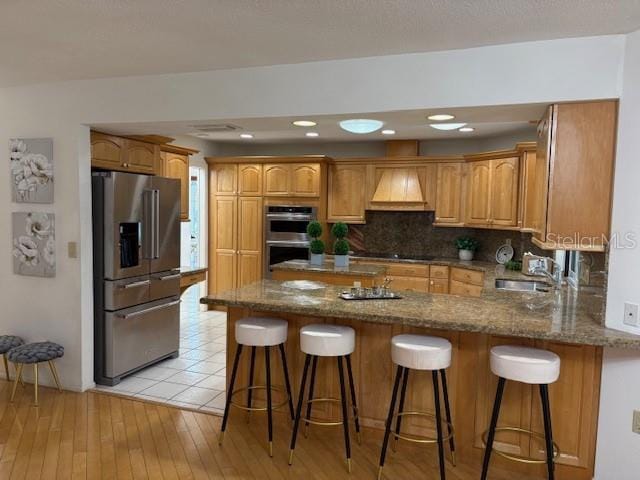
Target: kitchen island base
x=472 y=386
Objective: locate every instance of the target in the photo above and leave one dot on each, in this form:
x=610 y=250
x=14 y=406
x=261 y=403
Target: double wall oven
x=286 y=234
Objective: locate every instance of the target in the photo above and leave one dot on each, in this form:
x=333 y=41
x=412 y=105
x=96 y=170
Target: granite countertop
x=563 y=315
x=186 y=270
x=360 y=270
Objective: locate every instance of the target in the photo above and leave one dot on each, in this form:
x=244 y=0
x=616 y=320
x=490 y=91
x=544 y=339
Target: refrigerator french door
x=136 y=236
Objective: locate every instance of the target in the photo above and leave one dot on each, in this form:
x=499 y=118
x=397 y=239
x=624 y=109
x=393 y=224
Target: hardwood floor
x=95 y=435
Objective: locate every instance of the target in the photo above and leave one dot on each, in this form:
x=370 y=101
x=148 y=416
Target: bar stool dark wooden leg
x=447 y=410
x=403 y=394
x=548 y=434
x=345 y=414
x=354 y=403
x=250 y=390
x=492 y=427
x=287 y=383
x=296 y=422
x=227 y=404
x=267 y=363
x=387 y=430
x=312 y=384
x=436 y=401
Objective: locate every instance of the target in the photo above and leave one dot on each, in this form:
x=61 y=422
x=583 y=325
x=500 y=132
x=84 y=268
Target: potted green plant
x=316 y=247
x=341 y=245
x=466 y=247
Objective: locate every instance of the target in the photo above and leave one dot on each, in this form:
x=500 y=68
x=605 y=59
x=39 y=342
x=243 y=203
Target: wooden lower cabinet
x=574 y=397
x=438 y=285
x=411 y=284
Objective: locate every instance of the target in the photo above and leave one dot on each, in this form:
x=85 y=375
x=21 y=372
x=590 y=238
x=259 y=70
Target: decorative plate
x=504 y=254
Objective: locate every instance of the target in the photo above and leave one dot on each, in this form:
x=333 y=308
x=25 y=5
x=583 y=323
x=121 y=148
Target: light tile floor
x=196 y=379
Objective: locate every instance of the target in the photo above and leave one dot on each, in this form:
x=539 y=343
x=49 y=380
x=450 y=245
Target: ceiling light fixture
x=388 y=132
x=441 y=117
x=466 y=129
x=312 y=134
x=361 y=125
x=447 y=126
x=304 y=123
x=246 y=135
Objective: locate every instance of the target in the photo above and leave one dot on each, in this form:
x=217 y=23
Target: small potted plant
x=341 y=245
x=466 y=247
x=316 y=248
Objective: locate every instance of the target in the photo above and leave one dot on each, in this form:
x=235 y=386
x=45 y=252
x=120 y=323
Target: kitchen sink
x=522 y=285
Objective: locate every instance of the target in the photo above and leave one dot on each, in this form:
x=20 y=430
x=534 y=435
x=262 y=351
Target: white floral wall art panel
x=31 y=164
x=34 y=244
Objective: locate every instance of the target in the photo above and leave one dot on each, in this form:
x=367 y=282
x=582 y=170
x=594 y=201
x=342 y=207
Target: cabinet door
x=478 y=206
x=541 y=182
x=438 y=285
x=305 y=180
x=250 y=179
x=107 y=151
x=504 y=192
x=249 y=240
x=142 y=157
x=177 y=166
x=276 y=180
x=223 y=179
x=346 y=199
x=527 y=195
x=448 y=192
x=411 y=284
x=224 y=214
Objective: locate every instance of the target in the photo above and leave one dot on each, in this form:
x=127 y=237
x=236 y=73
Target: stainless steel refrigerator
x=136 y=248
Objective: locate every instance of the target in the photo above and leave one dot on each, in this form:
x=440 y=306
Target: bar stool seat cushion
x=261 y=331
x=7 y=342
x=36 y=352
x=421 y=352
x=525 y=364
x=326 y=340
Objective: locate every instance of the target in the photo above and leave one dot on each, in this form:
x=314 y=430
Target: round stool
x=259 y=332
x=324 y=340
x=420 y=352
x=35 y=353
x=526 y=365
x=7 y=342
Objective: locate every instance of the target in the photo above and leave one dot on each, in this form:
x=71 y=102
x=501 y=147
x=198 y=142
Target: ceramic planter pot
x=465 y=254
x=316 y=259
x=341 y=260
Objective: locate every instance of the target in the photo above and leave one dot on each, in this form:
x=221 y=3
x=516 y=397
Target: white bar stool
x=324 y=340
x=526 y=365
x=259 y=332
x=420 y=352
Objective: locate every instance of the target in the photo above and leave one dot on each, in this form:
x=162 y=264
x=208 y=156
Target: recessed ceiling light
x=388 y=132
x=466 y=129
x=304 y=123
x=312 y=134
x=361 y=125
x=246 y=135
x=447 y=126
x=441 y=117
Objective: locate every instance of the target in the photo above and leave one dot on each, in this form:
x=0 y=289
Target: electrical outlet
x=636 y=422
x=631 y=314
x=72 y=250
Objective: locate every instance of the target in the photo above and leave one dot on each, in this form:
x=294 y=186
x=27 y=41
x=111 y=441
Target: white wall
x=61 y=309
x=618 y=449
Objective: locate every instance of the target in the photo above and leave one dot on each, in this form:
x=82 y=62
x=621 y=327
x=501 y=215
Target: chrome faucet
x=538 y=266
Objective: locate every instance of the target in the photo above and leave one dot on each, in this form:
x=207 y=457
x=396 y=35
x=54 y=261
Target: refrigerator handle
x=148 y=230
x=156 y=223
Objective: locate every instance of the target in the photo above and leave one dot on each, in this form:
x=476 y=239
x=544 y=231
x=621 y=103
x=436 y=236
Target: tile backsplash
x=413 y=234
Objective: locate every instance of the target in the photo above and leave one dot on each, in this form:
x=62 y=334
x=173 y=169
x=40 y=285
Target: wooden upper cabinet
x=578 y=156
x=177 y=166
x=107 y=151
x=346 y=200
x=504 y=192
x=276 y=179
x=249 y=179
x=142 y=157
x=448 y=193
x=224 y=179
x=527 y=203
x=305 y=180
x=478 y=207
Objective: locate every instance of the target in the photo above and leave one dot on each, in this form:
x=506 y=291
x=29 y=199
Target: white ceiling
x=54 y=40
x=408 y=124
